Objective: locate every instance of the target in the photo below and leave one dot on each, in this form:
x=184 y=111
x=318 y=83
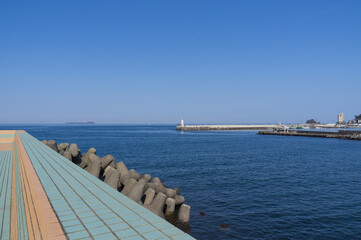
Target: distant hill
x=81 y=122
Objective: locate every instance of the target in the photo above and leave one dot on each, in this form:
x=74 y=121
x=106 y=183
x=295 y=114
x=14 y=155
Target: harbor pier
x=43 y=195
x=342 y=134
x=182 y=127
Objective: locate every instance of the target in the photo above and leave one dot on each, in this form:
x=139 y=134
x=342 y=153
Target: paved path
x=45 y=196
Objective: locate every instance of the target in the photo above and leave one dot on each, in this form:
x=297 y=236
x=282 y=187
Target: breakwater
x=153 y=194
x=223 y=127
x=341 y=134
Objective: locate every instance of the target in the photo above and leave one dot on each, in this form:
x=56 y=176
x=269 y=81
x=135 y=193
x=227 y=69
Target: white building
x=340 y=118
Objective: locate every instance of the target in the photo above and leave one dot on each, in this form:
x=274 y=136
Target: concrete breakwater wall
x=223 y=127
x=151 y=193
x=342 y=134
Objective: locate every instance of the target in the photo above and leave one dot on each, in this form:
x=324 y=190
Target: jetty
x=43 y=195
x=182 y=127
x=342 y=134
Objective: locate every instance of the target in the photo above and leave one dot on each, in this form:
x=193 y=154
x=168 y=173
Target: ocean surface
x=263 y=187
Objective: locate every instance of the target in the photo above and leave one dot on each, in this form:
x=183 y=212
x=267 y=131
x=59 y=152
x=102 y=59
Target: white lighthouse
x=182 y=122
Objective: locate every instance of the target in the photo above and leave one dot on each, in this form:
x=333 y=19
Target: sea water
x=261 y=187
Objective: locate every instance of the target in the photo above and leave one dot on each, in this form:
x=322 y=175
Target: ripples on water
x=262 y=187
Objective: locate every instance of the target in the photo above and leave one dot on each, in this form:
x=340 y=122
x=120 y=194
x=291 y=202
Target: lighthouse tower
x=182 y=122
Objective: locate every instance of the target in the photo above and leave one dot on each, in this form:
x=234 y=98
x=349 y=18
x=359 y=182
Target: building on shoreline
x=358 y=118
x=340 y=118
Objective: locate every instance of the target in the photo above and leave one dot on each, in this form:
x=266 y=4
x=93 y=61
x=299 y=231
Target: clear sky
x=158 y=61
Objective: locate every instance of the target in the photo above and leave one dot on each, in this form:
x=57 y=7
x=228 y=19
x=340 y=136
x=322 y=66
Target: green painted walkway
x=5 y=193
x=85 y=207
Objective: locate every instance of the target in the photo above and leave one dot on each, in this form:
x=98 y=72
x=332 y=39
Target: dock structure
x=45 y=196
x=342 y=134
x=182 y=127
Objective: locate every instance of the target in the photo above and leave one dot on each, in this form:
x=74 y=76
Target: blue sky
x=159 y=61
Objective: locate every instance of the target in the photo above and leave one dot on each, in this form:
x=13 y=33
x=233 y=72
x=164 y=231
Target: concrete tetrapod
x=184 y=213
x=75 y=153
x=160 y=189
x=52 y=145
x=157 y=204
x=107 y=171
x=108 y=160
x=157 y=185
x=74 y=150
x=158 y=182
x=94 y=168
x=134 y=174
x=63 y=147
x=124 y=173
x=147 y=177
x=179 y=200
x=152 y=185
x=92 y=157
x=122 y=168
x=169 y=212
x=170 y=192
x=136 y=192
x=85 y=159
x=92 y=150
x=149 y=196
x=112 y=177
x=128 y=186
x=67 y=155
x=66 y=146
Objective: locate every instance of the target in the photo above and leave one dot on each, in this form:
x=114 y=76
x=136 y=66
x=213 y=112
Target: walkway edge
x=38 y=207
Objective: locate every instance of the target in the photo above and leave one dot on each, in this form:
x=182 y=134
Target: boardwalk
x=45 y=196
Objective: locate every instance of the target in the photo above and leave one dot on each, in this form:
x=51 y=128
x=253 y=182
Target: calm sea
x=263 y=187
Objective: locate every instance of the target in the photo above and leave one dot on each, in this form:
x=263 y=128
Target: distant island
x=81 y=122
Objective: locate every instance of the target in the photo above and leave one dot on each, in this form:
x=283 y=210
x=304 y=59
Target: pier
x=342 y=134
x=181 y=127
x=45 y=196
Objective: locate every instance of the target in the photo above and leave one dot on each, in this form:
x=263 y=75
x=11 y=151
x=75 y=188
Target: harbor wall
x=223 y=127
x=342 y=134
